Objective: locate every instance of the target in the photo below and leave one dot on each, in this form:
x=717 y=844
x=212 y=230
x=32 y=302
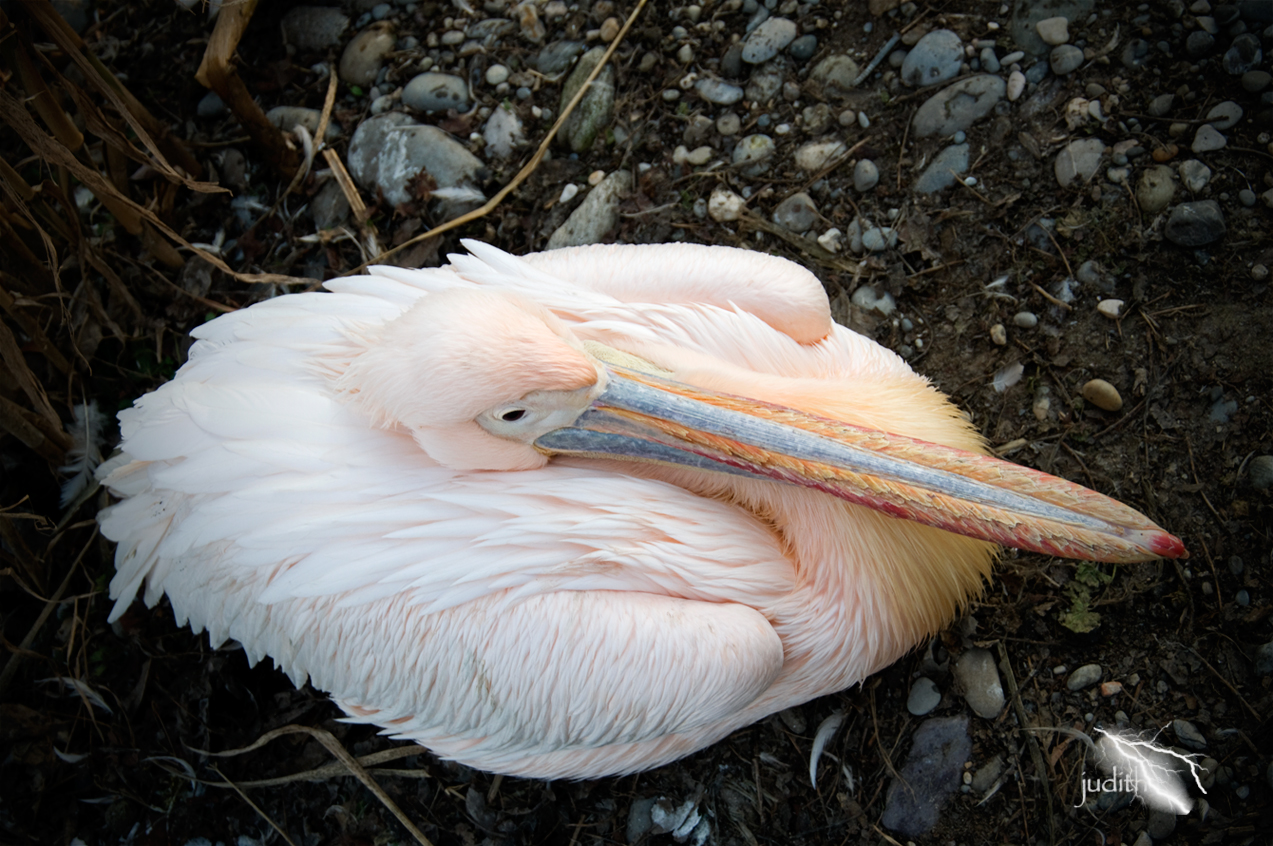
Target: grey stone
x=595 y=216
x=210 y=106
x=923 y=698
x=930 y=776
x=958 y=106
x=1136 y=53
x=766 y=81
x=556 y=57
x=1243 y=55
x=865 y=175
x=731 y=64
x=876 y=240
x=1026 y=14
x=979 y=677
x=288 y=118
x=1260 y=472
x=1078 y=161
x=718 y=91
x=767 y=40
x=1156 y=188
x=1253 y=82
x=1065 y=59
x=436 y=92
x=1053 y=31
x=1085 y=676
x=313 y=27
x=330 y=207
x=989 y=61
x=1187 y=733
x=365 y=54
x=941 y=172
x=1199 y=44
x=389 y=152
x=803 y=48
x=752 y=154
x=1208 y=140
x=1195 y=175
x=1264 y=655
x=1224 y=115
x=986 y=775
x=1161 y=104
x=503 y=132
x=596 y=109
x=1246 y=197
x=1025 y=319
x=835 y=74
x=797 y=213
x=935 y=58
x=1195 y=224
x=816 y=155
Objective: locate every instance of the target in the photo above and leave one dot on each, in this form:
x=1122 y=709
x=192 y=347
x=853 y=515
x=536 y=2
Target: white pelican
x=573 y=514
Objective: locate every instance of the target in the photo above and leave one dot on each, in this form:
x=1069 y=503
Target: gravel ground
x=1076 y=248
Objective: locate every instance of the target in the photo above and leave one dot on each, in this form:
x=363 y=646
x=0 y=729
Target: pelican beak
x=639 y=416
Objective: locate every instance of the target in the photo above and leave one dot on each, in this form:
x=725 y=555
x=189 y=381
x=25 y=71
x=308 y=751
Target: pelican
x=574 y=514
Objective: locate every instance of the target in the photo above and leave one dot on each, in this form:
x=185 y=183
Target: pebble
x=1264 y=656
x=1065 y=59
x=869 y=299
x=1103 y=395
x=940 y=748
x=718 y=91
x=595 y=216
x=936 y=58
x=497 y=74
x=1260 y=472
x=288 y=118
x=832 y=240
x=1195 y=224
x=365 y=54
x=1161 y=104
x=835 y=74
x=1224 y=115
x=879 y=238
x=1079 y=161
x=1199 y=44
x=1195 y=175
x=1243 y=55
x=729 y=124
x=999 y=335
x=958 y=106
x=1156 y=188
x=1246 y=197
x=1208 y=139
x=1110 y=308
x=568 y=193
x=1016 y=85
x=752 y=154
x=766 y=81
x=313 y=28
x=724 y=205
x=1165 y=153
x=1253 y=82
x=610 y=29
x=797 y=213
x=210 y=106
x=1053 y=31
x=330 y=207
x=556 y=57
x=1088 y=674
x=1089 y=273
x=596 y=109
x=923 y=698
x=768 y=39
x=865 y=175
x=989 y=61
x=1111 y=688
x=389 y=151
x=436 y=92
x=503 y=133
x=942 y=172
x=816 y=155
x=1025 y=319
x=803 y=48
x=1187 y=733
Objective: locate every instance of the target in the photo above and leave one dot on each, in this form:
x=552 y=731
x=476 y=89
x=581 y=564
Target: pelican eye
x=513 y=414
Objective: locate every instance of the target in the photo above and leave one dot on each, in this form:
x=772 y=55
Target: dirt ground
x=1196 y=332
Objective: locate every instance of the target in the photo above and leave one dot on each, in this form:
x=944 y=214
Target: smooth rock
x=868 y=299
x=752 y=154
x=1026 y=16
x=1260 y=472
x=1187 y=733
x=1110 y=308
x=503 y=132
x=979 y=677
x=865 y=175
x=724 y=205
x=1078 y=161
x=803 y=48
x=288 y=118
x=835 y=74
x=1224 y=115
x=1195 y=224
x=313 y=27
x=879 y=238
x=1053 y=31
x=943 y=170
x=1025 y=319
x=768 y=39
x=436 y=92
x=1161 y=104
x=389 y=151
x=596 y=109
x=1253 y=82
x=497 y=74
x=816 y=155
x=210 y=106
x=989 y=61
x=595 y=216
x=1243 y=55
x=1066 y=59
x=330 y=207
x=832 y=240
x=958 y=106
x=923 y=698
x=1016 y=85
x=365 y=54
x=1103 y=395
x=1208 y=139
x=718 y=91
x=1195 y=175
x=1199 y=44
x=1156 y=188
x=797 y=213
x=930 y=776
x=936 y=58
x=556 y=57
x=1136 y=54
x=1264 y=655
x=729 y=124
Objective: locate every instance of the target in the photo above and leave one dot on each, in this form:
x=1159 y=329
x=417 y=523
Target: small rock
x=752 y=153
x=595 y=216
x=1208 y=139
x=1025 y=319
x=556 y=57
x=1264 y=655
x=1110 y=308
x=1260 y=472
x=1079 y=161
x=931 y=775
x=979 y=677
x=1111 y=688
x=1088 y=674
x=503 y=132
x=935 y=58
x=210 y=106
x=923 y=698
x=389 y=151
x=832 y=240
x=1199 y=44
x=1156 y=188
x=879 y=238
x=724 y=205
x=868 y=299
x=958 y=106
x=989 y=61
x=596 y=109
x=942 y=172
x=815 y=155
x=1224 y=115
x=610 y=29
x=768 y=39
x=436 y=92
x=1065 y=59
x=288 y=118
x=1253 y=82
x=1243 y=55
x=1188 y=734
x=313 y=28
x=365 y=54
x=1161 y=104
x=1195 y=224
x=1246 y=197
x=1053 y=31
x=796 y=213
x=731 y=64
x=835 y=75
x=766 y=81
x=999 y=335
x=718 y=91
x=1165 y=153
x=497 y=74
x=803 y=48
x=1195 y=175
x=865 y=176
x=1016 y=85
x=729 y=124
x=330 y=207
x=1103 y=395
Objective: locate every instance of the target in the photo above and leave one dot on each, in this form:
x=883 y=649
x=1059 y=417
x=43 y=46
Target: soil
x=1195 y=332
